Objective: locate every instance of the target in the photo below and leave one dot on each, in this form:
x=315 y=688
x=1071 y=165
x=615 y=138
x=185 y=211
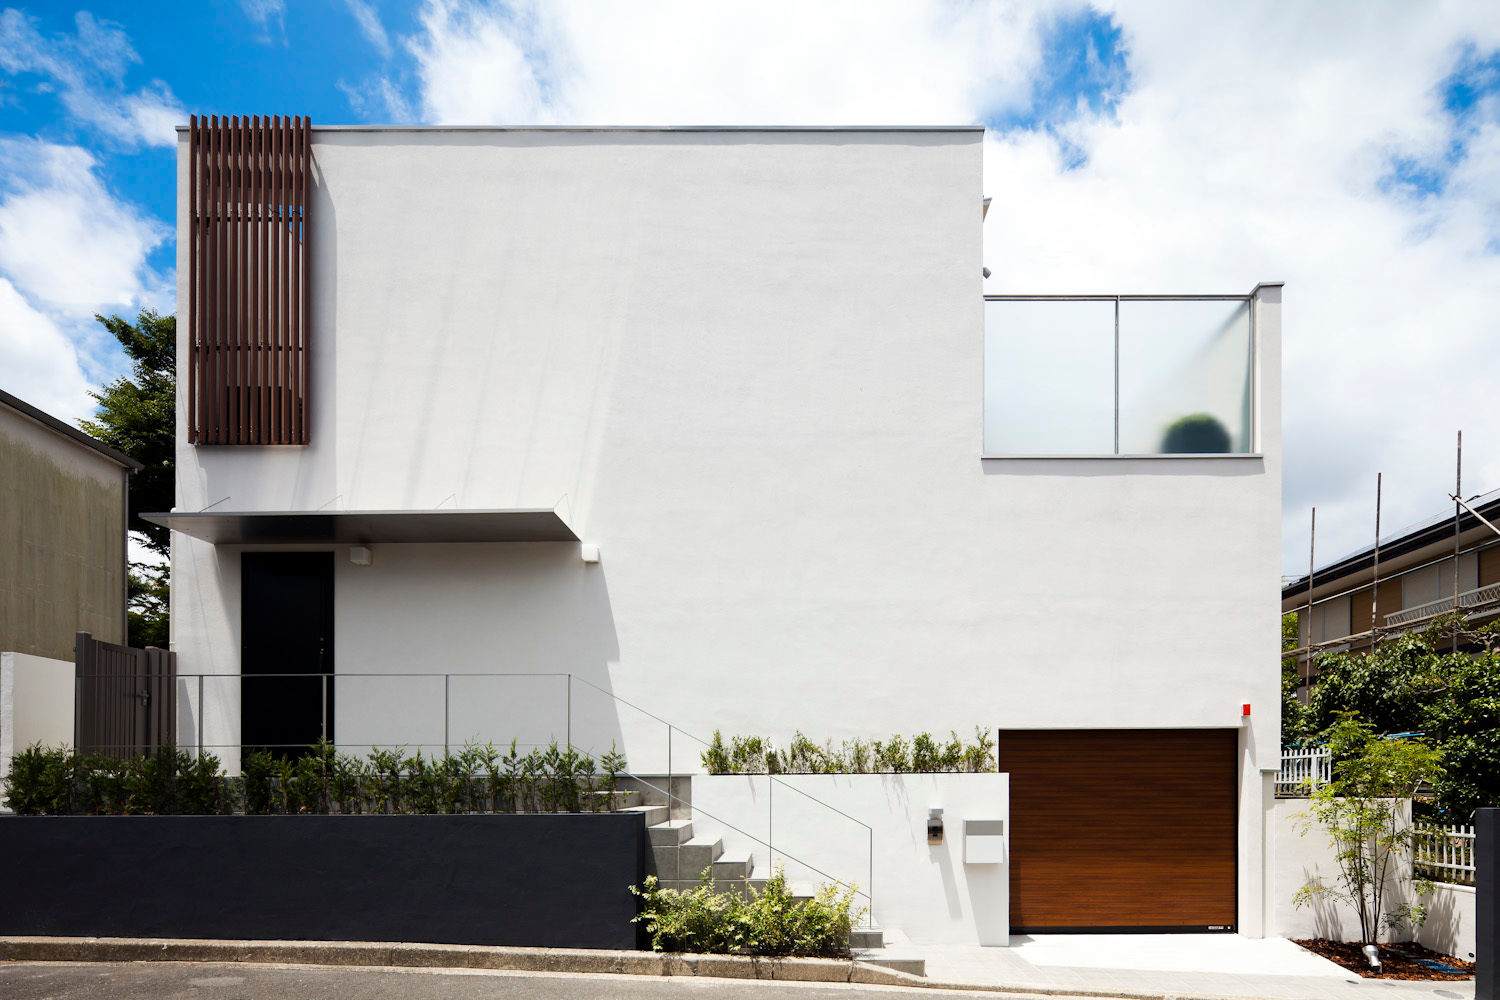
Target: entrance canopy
x=363 y=527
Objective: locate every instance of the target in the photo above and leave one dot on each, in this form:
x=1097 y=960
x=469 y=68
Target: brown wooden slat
x=215 y=371
x=126 y=698
x=248 y=351
x=1121 y=828
x=195 y=236
x=299 y=181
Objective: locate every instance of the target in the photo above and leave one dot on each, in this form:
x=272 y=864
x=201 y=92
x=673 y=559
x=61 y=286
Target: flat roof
x=1409 y=539
x=67 y=430
x=639 y=128
x=360 y=527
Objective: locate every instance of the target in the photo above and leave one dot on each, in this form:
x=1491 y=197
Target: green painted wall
x=62 y=541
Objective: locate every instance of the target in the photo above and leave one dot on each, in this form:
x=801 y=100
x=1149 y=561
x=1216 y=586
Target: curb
x=377 y=954
x=449 y=956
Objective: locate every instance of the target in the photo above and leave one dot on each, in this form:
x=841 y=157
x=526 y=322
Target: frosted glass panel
x=1049 y=378
x=1184 y=377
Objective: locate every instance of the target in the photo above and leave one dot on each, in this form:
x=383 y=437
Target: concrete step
x=800 y=890
x=887 y=959
x=734 y=866
x=698 y=854
x=866 y=938
x=663 y=864
x=671 y=833
x=653 y=814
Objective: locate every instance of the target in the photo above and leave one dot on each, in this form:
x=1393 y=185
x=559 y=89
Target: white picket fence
x=1444 y=853
x=1302 y=771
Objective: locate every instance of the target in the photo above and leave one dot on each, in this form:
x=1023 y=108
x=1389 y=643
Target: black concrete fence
x=528 y=880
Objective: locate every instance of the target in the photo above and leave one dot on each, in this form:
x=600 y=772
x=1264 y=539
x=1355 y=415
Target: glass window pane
x=1049 y=378
x=1184 y=377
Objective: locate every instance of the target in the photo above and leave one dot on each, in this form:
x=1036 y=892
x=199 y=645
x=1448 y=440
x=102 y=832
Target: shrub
x=925 y=754
x=770 y=922
x=40 y=781
x=47 y=781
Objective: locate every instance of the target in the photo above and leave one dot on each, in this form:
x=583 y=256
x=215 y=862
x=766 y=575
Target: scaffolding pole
x=1375 y=570
x=1312 y=546
x=1458 y=491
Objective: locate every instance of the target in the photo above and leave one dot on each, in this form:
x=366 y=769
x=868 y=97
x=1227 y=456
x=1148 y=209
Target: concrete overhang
x=364 y=527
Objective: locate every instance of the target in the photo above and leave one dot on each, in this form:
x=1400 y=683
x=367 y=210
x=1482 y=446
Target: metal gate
x=125 y=701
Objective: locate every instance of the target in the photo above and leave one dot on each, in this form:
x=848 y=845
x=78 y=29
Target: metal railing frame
x=671 y=728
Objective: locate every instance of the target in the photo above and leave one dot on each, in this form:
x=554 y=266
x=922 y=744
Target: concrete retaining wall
x=929 y=891
x=535 y=880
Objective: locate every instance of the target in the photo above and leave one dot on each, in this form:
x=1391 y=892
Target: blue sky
x=1350 y=148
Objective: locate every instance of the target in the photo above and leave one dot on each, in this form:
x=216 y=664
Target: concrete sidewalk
x=1216 y=965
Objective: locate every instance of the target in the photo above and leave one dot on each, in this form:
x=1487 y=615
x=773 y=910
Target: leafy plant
x=614 y=765
x=925 y=754
x=1361 y=808
x=40 y=781
x=1415 y=682
x=770 y=922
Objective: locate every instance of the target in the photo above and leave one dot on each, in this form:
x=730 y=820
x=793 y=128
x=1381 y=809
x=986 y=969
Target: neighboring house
x=719 y=423
x=1420 y=570
x=63 y=557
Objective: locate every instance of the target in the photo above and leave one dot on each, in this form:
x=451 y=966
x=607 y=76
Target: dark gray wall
x=1486 y=903
x=542 y=880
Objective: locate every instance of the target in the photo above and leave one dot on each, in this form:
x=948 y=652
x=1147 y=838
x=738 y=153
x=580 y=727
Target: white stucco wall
x=36 y=705
x=928 y=891
x=1450 y=927
x=1303 y=851
x=748 y=365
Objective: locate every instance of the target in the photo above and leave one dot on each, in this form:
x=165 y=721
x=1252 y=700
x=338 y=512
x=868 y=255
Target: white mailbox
x=985 y=842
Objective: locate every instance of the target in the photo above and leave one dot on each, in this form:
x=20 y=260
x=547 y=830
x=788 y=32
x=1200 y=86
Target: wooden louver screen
x=247 y=323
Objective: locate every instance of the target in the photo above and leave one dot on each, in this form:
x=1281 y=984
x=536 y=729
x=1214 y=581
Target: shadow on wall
x=473 y=643
x=1449 y=927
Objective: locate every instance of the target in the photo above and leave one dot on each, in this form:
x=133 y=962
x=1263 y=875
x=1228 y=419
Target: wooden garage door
x=1121 y=829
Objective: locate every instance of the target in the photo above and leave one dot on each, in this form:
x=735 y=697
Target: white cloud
x=38 y=361
x=687 y=62
x=65 y=241
x=263 y=12
x=369 y=25
x=88 y=71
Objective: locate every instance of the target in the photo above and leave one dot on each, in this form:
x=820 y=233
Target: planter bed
x=1406 y=960
x=539 y=880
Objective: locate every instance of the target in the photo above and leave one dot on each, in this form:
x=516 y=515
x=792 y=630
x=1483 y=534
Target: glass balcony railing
x=1118 y=375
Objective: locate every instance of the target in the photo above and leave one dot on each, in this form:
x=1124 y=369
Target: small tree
x=1361 y=808
x=137 y=415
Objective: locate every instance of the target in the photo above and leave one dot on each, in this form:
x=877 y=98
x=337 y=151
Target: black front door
x=286 y=627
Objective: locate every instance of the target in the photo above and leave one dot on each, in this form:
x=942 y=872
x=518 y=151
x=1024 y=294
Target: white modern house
x=630 y=435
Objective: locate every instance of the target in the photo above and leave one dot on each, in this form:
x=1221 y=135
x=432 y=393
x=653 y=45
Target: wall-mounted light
x=934 y=826
x=360 y=555
x=590 y=553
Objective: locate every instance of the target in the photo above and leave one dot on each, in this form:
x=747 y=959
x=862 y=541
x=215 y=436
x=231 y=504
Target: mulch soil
x=1407 y=960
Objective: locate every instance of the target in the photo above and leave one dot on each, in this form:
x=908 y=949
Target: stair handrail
x=770 y=847
x=869 y=914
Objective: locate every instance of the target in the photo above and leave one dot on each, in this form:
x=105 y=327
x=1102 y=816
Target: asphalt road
x=229 y=981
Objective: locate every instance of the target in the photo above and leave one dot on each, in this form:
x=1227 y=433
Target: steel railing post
x=200 y=716
x=445 y=713
x=568 y=722
x=323 y=725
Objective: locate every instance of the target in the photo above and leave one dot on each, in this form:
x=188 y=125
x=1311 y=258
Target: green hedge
x=922 y=755
x=769 y=922
x=56 y=781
